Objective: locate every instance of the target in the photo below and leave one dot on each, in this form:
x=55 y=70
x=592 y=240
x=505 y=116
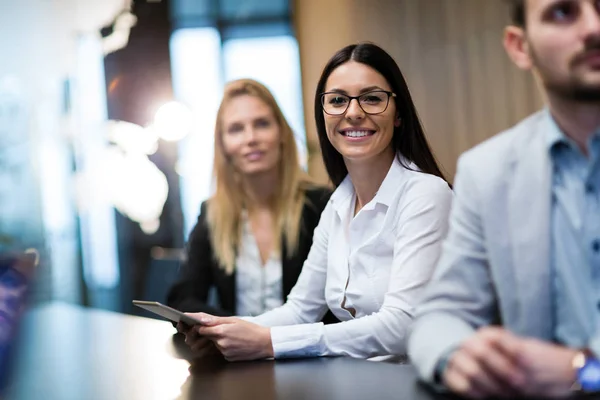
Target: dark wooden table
x=69 y=352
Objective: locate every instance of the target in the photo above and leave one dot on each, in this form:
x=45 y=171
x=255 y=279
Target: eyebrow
x=261 y=117
x=363 y=90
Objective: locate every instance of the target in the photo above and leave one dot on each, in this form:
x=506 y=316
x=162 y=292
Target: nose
x=354 y=110
x=250 y=135
x=590 y=21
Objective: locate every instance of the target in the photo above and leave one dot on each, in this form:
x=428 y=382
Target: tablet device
x=166 y=312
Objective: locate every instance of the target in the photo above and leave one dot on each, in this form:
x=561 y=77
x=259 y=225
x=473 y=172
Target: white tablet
x=166 y=312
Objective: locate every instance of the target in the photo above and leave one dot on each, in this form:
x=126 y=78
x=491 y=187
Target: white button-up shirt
x=374 y=265
x=258 y=286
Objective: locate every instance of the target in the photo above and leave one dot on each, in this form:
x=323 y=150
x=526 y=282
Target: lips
x=590 y=57
x=254 y=155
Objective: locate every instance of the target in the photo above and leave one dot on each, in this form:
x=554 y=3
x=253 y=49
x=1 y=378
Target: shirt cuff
x=297 y=340
x=594 y=345
x=440 y=369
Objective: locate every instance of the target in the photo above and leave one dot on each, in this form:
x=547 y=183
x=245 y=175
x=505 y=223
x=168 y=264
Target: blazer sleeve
x=190 y=292
x=317 y=199
x=461 y=297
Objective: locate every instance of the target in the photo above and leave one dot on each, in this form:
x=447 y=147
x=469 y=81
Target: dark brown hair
x=517 y=12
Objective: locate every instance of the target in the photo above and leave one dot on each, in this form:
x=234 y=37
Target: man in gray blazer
x=514 y=306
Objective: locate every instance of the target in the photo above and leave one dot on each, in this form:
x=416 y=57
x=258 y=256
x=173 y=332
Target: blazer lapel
x=529 y=219
x=285 y=270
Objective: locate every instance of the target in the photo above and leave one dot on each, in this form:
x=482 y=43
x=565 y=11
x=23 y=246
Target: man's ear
x=515 y=44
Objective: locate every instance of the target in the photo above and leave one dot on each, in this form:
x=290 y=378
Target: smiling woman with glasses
x=379 y=236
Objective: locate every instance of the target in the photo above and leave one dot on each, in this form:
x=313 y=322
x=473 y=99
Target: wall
x=450 y=51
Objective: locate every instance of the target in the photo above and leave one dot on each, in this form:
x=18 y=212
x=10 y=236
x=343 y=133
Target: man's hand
x=494 y=362
x=485 y=365
x=547 y=367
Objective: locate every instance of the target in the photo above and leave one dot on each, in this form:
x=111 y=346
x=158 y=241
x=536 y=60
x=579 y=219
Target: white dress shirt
x=375 y=264
x=258 y=286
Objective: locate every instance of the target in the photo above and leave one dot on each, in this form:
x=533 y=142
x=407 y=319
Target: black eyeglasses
x=374 y=102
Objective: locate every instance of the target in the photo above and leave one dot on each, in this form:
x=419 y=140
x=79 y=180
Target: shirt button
x=596 y=245
x=589 y=188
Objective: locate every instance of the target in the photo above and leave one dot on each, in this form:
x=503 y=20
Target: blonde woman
x=253 y=235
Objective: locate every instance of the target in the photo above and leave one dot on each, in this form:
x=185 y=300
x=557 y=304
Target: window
x=196 y=70
x=98 y=227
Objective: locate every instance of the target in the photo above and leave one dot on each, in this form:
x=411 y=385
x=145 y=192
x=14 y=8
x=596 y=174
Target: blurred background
x=107 y=111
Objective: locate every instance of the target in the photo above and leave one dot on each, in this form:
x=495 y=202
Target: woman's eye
x=338 y=100
x=262 y=123
x=235 y=128
x=371 y=99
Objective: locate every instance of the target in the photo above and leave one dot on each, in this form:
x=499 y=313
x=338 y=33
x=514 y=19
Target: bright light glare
x=173 y=121
x=138 y=189
x=132 y=138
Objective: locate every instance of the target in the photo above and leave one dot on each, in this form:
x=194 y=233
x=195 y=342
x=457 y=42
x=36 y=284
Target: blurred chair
x=161 y=275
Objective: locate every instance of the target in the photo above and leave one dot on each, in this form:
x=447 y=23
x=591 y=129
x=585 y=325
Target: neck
x=260 y=189
x=367 y=176
x=577 y=120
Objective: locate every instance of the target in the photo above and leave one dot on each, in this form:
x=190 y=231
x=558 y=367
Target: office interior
x=107 y=112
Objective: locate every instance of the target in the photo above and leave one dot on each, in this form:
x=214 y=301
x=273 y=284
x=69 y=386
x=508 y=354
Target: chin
x=256 y=170
x=358 y=153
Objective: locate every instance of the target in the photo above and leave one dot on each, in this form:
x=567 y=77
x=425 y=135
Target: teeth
x=356 y=133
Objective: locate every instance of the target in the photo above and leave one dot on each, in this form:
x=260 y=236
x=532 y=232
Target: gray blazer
x=494 y=267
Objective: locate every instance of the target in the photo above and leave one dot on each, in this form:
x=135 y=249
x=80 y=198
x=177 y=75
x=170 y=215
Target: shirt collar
x=389 y=187
x=343 y=192
x=343 y=195
x=556 y=138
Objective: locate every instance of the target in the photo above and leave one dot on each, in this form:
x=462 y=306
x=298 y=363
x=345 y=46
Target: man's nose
x=590 y=22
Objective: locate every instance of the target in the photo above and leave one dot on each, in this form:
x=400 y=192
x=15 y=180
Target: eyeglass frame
x=350 y=98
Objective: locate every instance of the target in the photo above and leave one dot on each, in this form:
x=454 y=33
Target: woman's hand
x=236 y=339
x=200 y=346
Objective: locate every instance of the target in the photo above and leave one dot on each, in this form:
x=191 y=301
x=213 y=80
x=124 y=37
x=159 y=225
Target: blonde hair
x=227 y=204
